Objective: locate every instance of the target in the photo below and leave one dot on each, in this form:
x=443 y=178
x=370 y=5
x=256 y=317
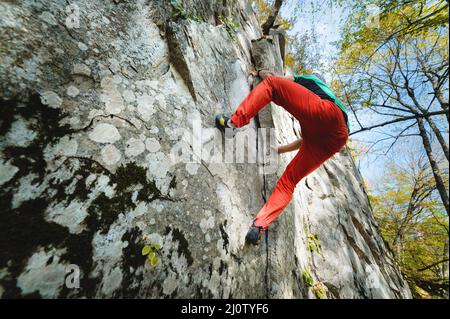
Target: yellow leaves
x=420 y=20
x=410 y=218
x=357 y=148
x=289 y=60
x=263 y=8
x=422 y=293
x=337 y=86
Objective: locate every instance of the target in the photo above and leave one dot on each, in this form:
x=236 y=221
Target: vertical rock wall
x=101 y=155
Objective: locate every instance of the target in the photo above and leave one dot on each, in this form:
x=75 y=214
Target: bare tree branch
x=434 y=264
x=408 y=27
x=272 y=17
x=402 y=119
x=440 y=185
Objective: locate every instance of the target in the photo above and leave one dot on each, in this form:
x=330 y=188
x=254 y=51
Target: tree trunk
x=436 y=84
x=444 y=269
x=446 y=265
x=439 y=137
x=272 y=17
x=429 y=119
x=440 y=185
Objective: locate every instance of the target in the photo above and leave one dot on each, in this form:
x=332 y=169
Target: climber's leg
x=311 y=155
x=294 y=98
x=323 y=136
x=303 y=164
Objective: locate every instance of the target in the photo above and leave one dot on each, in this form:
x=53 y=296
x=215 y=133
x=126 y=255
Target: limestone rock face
x=107 y=145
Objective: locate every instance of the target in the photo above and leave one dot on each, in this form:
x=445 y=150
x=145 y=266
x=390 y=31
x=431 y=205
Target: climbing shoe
x=222 y=124
x=254 y=234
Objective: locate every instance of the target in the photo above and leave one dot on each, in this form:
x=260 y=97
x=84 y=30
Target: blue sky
x=326 y=23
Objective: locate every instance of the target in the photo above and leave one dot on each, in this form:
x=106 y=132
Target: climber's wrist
x=275 y=148
x=264 y=74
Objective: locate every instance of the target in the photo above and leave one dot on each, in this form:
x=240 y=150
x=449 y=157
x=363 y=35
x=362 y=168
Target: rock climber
x=324 y=126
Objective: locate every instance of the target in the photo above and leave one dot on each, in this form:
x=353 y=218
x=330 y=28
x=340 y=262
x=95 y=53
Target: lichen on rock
x=91 y=110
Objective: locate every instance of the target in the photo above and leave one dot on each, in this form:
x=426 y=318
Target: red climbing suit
x=324 y=133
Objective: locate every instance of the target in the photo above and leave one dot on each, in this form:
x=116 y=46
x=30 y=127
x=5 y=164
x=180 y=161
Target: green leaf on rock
x=154 y=261
x=151 y=255
x=145 y=250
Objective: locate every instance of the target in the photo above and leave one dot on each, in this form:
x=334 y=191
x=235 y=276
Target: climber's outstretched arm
x=290 y=147
x=264 y=74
